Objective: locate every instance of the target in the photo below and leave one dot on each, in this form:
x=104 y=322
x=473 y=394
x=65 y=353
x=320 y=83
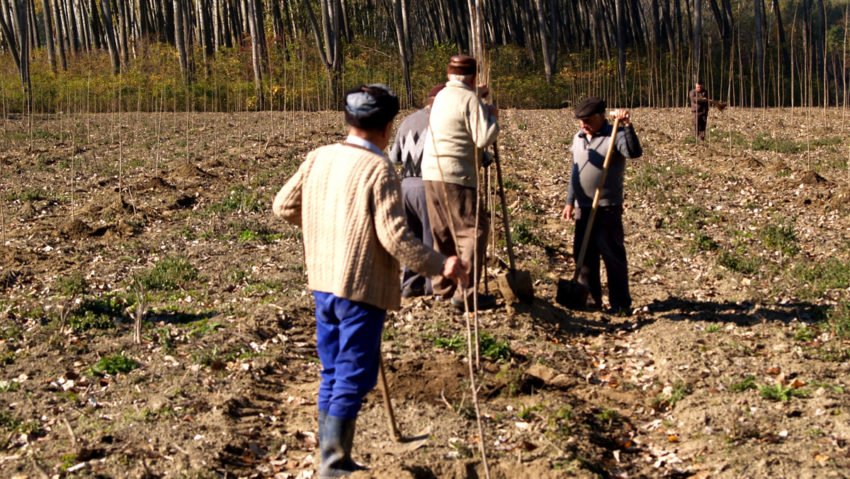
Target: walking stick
x=388 y=406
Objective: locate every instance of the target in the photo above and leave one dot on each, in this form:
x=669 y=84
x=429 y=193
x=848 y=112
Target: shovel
x=516 y=285
x=571 y=293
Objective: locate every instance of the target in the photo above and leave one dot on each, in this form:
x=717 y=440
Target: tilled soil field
x=734 y=364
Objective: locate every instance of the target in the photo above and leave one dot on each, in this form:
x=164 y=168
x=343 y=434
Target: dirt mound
x=116 y=205
x=8 y=278
x=841 y=199
x=11 y=257
x=76 y=229
x=155 y=183
x=120 y=229
x=182 y=201
x=778 y=166
x=187 y=171
x=429 y=379
x=811 y=177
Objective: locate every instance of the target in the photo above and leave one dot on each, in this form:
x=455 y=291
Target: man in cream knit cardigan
x=346 y=198
x=461 y=127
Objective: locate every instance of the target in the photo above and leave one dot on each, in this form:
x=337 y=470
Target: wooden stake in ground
x=140 y=310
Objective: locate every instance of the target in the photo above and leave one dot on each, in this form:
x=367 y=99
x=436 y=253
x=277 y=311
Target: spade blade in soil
x=516 y=286
x=572 y=294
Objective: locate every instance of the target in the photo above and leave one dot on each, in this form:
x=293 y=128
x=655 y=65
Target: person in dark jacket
x=590 y=145
x=699 y=108
x=407 y=151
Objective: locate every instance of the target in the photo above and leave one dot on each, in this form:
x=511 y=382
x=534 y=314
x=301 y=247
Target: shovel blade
x=572 y=294
x=516 y=286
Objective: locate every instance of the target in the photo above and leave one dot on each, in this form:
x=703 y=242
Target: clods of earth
x=734 y=363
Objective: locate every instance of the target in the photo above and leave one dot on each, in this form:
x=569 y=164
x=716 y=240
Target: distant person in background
x=460 y=126
x=590 y=145
x=699 y=107
x=346 y=198
x=407 y=150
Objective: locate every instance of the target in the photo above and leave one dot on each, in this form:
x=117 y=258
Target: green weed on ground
x=780 y=236
x=114 y=364
x=677 y=393
x=522 y=232
x=745 y=383
x=804 y=333
x=691 y=218
x=214 y=357
x=9 y=422
x=253 y=231
x=169 y=274
x=778 y=392
x=202 y=327
x=838 y=320
x=9 y=331
x=511 y=183
x=739 y=260
x=702 y=242
x=816 y=278
x=489 y=346
x=73 y=285
x=97 y=313
x=766 y=142
x=239 y=199
x=9 y=386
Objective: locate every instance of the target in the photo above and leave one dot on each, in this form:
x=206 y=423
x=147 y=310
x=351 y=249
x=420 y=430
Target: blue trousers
x=348 y=337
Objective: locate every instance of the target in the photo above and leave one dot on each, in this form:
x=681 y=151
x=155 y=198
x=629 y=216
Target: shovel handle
x=596 y=195
x=508 y=241
x=388 y=405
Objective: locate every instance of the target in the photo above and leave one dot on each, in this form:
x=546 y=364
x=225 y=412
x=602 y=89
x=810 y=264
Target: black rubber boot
x=337 y=437
x=323 y=415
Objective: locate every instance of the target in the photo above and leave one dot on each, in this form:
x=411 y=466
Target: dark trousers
x=461 y=206
x=348 y=339
x=606 y=241
x=416 y=211
x=700 y=120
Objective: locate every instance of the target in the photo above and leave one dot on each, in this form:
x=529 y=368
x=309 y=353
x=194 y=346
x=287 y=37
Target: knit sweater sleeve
x=392 y=231
x=288 y=201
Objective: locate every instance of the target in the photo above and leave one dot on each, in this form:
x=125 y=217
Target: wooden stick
x=388 y=406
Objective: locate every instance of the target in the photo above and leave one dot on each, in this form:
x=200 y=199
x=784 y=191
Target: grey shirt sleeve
x=628 y=144
x=571 y=192
x=395 y=150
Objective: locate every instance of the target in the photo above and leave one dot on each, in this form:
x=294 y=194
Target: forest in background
x=235 y=55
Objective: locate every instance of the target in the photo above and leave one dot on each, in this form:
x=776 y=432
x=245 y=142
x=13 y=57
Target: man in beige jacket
x=347 y=199
x=461 y=127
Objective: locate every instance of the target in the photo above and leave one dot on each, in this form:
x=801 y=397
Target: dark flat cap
x=589 y=106
x=435 y=90
x=461 y=65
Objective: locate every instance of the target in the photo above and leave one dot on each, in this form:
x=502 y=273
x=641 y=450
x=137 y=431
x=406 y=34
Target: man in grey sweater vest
x=590 y=145
x=407 y=151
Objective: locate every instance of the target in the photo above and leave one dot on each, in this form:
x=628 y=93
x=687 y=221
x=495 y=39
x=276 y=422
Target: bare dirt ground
x=735 y=363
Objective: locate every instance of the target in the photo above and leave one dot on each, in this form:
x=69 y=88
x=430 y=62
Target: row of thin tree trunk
x=780 y=67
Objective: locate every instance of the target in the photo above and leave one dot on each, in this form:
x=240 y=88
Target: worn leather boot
x=337 y=437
